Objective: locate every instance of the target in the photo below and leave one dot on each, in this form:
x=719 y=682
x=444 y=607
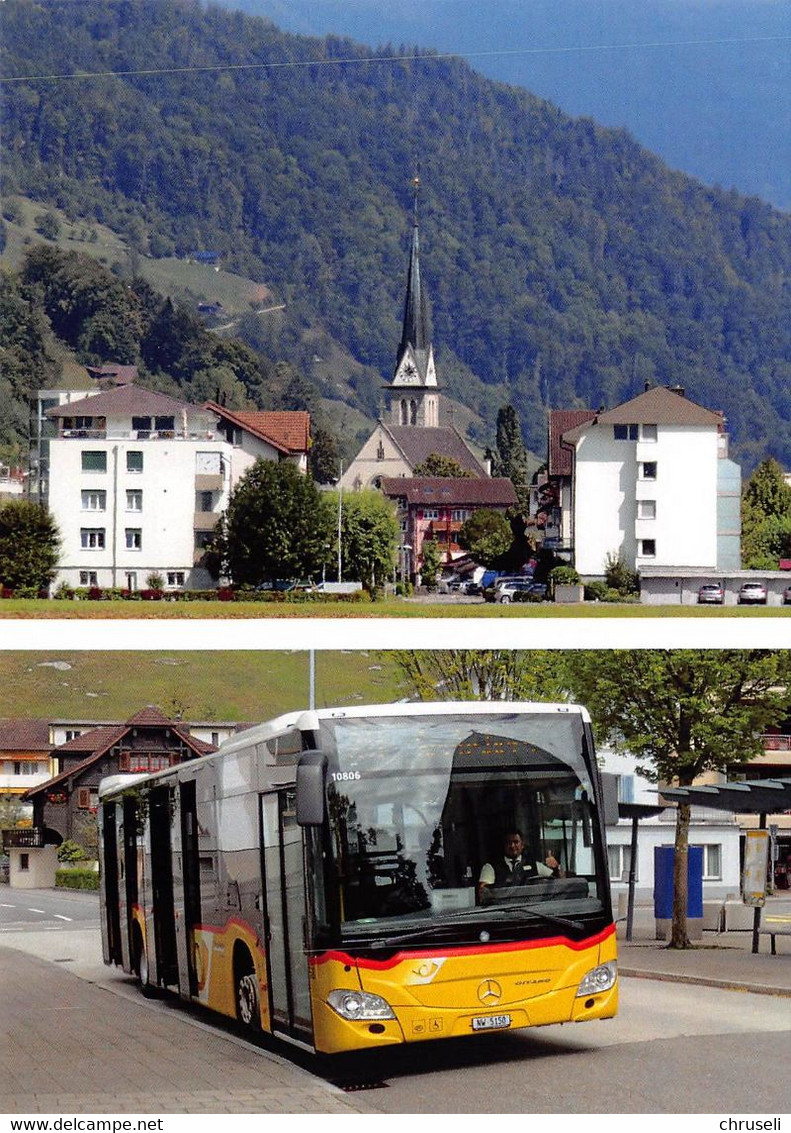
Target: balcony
x=208 y=482
x=205 y=520
x=774 y=742
x=29 y=838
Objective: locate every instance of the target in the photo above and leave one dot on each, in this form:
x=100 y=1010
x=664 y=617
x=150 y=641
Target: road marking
x=36 y=911
x=3 y=906
x=58 y=917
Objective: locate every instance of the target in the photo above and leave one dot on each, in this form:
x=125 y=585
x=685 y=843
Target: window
x=89 y=578
x=93 y=460
x=712 y=862
x=94 y=500
x=131 y=580
x=619 y=859
x=648 y=432
x=134 y=499
x=205 y=501
x=164 y=424
x=143 y=761
x=648 y=470
x=624 y=432
x=134 y=539
x=459 y=514
x=141 y=426
x=646 y=509
x=647 y=548
x=72 y=733
x=202 y=540
x=92 y=538
x=87 y=797
x=380 y=451
x=134 y=461
x=24 y=862
x=25 y=767
x=175 y=578
x=431 y=513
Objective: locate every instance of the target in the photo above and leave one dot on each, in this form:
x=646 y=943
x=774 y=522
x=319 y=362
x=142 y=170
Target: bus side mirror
x=609 y=791
x=311 y=788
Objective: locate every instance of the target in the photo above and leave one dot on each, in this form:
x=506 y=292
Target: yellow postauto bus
x=336 y=878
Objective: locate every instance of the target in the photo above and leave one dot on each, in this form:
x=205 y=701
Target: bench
x=777 y=924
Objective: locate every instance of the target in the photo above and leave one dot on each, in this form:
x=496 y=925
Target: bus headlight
x=359 y=1005
x=598 y=979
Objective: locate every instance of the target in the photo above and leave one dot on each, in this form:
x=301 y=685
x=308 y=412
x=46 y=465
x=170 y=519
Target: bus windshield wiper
x=510 y=914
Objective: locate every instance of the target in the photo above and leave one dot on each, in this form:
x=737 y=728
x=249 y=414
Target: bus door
x=110 y=895
x=190 y=879
x=284 y=881
x=130 y=869
x=162 y=886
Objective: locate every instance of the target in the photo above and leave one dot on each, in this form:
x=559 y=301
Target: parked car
x=712 y=592
x=752 y=593
x=513 y=590
x=491 y=590
x=787 y=596
x=535 y=592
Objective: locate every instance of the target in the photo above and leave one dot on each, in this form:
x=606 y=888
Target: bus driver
x=514 y=868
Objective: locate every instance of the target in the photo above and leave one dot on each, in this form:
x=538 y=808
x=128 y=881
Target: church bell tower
x=414 y=396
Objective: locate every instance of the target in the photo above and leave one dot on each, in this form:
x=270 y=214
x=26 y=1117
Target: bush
x=70 y=851
x=596 y=592
x=618 y=576
x=80 y=878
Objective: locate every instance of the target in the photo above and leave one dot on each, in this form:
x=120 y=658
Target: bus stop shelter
x=749 y=796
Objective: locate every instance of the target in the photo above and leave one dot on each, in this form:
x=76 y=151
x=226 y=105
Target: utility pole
x=340 y=522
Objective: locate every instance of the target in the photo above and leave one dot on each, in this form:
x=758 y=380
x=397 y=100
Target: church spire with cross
x=414 y=399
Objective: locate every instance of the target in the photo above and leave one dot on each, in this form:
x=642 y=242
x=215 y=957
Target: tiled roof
x=121 y=373
x=131 y=399
x=97 y=741
x=560 y=421
x=479 y=492
x=24 y=735
x=657 y=406
x=418 y=444
x=287 y=430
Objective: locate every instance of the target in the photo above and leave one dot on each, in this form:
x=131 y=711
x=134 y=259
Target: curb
x=706 y=981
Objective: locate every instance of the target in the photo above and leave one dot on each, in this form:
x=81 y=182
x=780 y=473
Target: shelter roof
x=751 y=796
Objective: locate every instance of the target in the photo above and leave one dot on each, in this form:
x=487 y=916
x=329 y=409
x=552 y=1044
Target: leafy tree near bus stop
x=278 y=525
x=683 y=712
x=487 y=535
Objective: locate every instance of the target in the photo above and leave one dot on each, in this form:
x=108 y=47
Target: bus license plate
x=490 y=1022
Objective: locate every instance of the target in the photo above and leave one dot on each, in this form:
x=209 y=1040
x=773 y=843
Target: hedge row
x=224 y=594
x=76 y=878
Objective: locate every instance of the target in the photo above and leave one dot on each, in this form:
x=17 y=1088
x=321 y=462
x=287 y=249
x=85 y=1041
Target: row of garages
x=679 y=587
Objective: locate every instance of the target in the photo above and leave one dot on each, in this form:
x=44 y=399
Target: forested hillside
x=566 y=266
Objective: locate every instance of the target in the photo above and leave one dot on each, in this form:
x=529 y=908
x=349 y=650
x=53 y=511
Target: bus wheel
x=248 y=1010
x=143 y=970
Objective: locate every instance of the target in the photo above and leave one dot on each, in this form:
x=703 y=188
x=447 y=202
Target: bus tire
x=142 y=968
x=248 y=1006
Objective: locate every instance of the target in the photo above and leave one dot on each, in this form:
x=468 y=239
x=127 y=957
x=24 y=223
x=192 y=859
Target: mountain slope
x=565 y=264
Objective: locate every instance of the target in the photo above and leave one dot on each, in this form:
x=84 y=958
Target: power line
x=423 y=57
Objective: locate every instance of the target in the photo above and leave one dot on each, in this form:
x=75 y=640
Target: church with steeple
x=409 y=431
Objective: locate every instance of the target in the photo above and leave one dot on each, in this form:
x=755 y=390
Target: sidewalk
x=716 y=960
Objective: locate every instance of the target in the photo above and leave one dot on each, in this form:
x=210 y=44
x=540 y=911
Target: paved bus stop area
x=71 y=1039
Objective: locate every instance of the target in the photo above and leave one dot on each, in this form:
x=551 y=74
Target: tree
x=278 y=525
x=446 y=467
x=487 y=535
x=29 y=542
x=684 y=712
x=432 y=560
x=511 y=457
x=482 y=674
x=766 y=518
x=369 y=536
x=323 y=455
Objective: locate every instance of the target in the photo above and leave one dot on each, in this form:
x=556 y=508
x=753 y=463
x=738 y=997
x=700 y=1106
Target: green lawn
x=201 y=685
x=388 y=608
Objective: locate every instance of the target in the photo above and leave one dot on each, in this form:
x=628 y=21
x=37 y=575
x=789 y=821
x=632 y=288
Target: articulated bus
x=318 y=878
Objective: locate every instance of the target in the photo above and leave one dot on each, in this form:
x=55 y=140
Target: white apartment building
x=136 y=483
x=651 y=483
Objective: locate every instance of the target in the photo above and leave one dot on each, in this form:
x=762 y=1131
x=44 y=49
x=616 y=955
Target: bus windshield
x=420 y=810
